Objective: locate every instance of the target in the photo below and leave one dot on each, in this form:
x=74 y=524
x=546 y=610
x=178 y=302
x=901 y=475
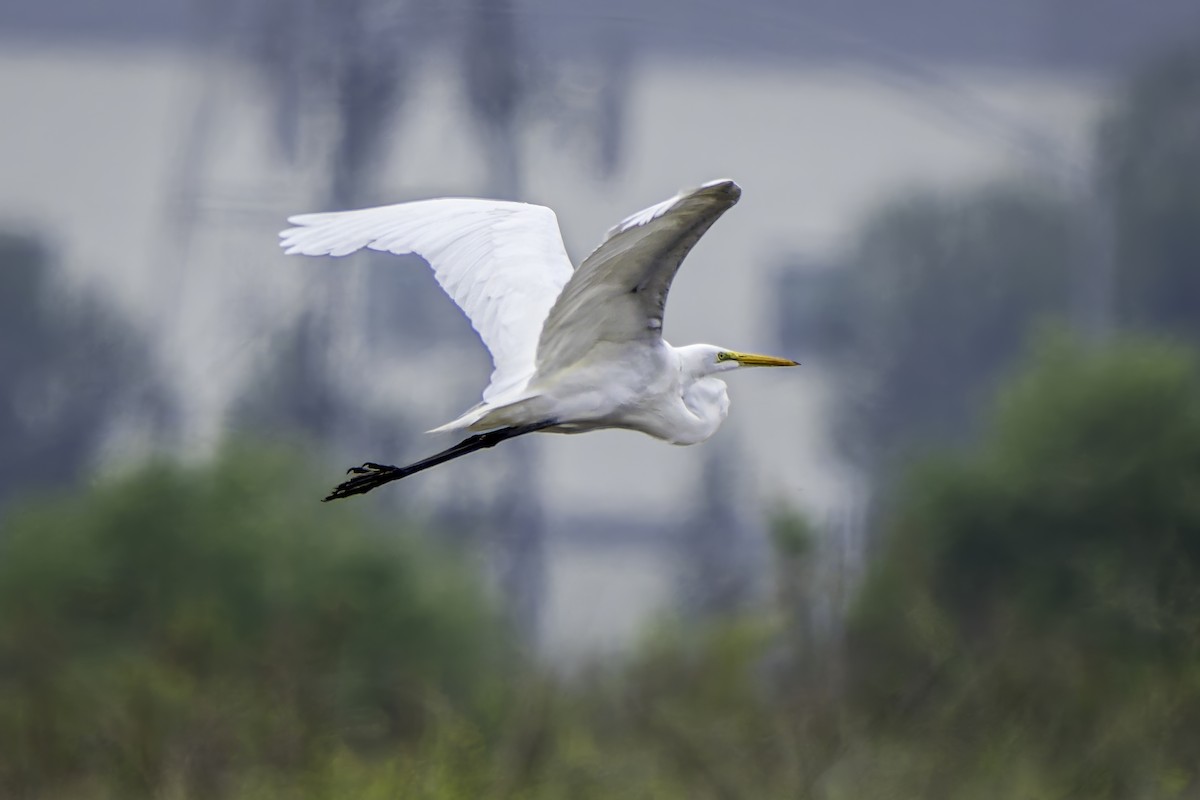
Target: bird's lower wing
x=619 y=292
x=503 y=263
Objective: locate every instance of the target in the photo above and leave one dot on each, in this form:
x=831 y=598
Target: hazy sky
x=814 y=144
x=1069 y=33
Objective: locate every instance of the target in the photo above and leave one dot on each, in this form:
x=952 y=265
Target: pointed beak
x=755 y=360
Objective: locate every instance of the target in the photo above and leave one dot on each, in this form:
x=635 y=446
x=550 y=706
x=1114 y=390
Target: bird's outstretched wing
x=619 y=292
x=503 y=263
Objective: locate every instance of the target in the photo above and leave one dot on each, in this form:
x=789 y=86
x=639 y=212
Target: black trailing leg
x=371 y=475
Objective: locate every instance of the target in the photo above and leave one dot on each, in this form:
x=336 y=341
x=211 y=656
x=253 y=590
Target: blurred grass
x=181 y=624
x=1030 y=629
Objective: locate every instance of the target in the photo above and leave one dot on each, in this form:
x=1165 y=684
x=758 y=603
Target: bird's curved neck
x=704 y=396
x=707 y=402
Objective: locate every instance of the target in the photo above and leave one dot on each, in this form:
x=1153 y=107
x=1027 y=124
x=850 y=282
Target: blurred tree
x=1045 y=587
x=347 y=62
x=721 y=559
x=292 y=398
x=370 y=81
x=183 y=626
x=1149 y=155
x=812 y=302
x=69 y=370
x=942 y=291
x=496 y=85
x=291 y=394
x=353 y=64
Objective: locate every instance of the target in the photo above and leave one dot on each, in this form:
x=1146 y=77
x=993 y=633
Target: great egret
x=574 y=350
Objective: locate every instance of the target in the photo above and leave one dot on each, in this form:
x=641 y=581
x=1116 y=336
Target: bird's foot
x=368 y=467
x=367 y=477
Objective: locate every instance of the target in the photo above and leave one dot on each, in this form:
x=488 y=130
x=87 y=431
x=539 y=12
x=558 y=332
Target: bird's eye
x=723 y=356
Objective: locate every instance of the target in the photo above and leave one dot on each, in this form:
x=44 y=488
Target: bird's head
x=706 y=359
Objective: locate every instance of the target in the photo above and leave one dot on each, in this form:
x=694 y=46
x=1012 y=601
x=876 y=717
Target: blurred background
x=956 y=554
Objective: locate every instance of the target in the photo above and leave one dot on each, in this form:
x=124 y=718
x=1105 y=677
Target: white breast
x=708 y=400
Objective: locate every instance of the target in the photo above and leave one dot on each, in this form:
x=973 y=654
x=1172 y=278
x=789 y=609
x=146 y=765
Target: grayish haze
x=157 y=146
x=1086 y=34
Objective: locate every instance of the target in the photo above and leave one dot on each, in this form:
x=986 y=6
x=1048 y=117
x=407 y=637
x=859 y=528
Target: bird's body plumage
x=573 y=350
x=655 y=389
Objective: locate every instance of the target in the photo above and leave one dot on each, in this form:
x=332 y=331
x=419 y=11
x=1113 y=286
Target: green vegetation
x=944 y=291
x=183 y=628
x=1031 y=628
x=933 y=304
x=1042 y=592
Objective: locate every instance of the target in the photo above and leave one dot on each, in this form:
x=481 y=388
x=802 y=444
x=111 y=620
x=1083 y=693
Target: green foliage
x=1046 y=586
x=1030 y=630
x=793 y=535
x=692 y=716
x=185 y=625
x=1030 y=626
x=943 y=291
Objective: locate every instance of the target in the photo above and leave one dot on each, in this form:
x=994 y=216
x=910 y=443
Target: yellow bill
x=755 y=360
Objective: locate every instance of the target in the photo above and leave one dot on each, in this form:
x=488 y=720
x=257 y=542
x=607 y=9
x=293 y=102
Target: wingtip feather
x=727 y=185
x=721 y=185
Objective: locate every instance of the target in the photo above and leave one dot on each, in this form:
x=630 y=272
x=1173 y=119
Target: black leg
x=371 y=475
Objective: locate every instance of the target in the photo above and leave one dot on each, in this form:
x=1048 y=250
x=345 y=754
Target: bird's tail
x=486 y=417
x=465 y=421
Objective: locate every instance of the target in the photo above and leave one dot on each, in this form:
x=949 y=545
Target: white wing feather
x=619 y=292
x=503 y=263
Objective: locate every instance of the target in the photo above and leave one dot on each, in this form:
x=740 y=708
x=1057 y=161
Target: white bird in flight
x=574 y=350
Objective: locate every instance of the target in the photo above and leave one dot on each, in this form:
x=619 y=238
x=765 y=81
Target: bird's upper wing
x=503 y=263
x=619 y=292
